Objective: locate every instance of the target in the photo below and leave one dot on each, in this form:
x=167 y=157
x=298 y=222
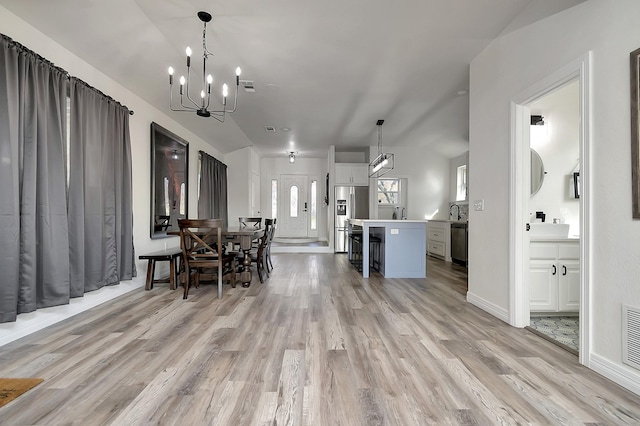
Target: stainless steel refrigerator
x=352 y=202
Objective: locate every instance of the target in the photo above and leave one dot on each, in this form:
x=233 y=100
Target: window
x=183 y=190
x=388 y=192
x=293 y=202
x=167 y=207
x=274 y=198
x=461 y=183
x=314 y=216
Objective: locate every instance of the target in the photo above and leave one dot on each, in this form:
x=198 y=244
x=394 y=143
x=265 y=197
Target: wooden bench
x=170 y=255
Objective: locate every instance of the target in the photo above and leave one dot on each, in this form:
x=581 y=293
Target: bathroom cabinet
x=554 y=276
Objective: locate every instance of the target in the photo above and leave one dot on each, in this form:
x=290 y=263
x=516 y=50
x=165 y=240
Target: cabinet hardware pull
x=564 y=269
x=554 y=270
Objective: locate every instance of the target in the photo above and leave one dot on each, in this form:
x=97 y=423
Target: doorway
x=522 y=267
x=554 y=255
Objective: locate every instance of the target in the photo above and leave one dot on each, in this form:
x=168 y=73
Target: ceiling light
x=201 y=106
x=285 y=129
x=292 y=157
x=175 y=154
x=383 y=163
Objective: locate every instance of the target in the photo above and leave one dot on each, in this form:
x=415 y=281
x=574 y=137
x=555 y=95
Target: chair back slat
x=253 y=222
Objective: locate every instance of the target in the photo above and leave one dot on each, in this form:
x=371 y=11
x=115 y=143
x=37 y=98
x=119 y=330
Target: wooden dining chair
x=258 y=254
x=267 y=257
x=248 y=222
x=203 y=253
x=245 y=222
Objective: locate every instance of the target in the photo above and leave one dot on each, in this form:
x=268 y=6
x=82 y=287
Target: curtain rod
x=202 y=152
x=60 y=69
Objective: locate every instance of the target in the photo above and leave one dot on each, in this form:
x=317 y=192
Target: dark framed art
x=169 y=180
x=635 y=129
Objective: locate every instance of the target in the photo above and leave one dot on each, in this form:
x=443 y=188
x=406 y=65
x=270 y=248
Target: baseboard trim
x=489 y=307
x=300 y=249
x=626 y=377
x=35 y=321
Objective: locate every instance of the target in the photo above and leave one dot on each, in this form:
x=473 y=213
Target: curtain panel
x=100 y=191
x=212 y=199
x=34 y=249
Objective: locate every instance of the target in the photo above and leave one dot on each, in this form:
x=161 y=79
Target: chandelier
x=201 y=106
x=383 y=163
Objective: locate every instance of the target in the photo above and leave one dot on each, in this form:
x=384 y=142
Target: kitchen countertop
x=359 y=222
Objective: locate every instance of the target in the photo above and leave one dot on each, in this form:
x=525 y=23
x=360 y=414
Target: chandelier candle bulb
x=170 y=75
x=238 y=72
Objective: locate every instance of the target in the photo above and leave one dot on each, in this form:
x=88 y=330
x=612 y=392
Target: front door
x=294 y=206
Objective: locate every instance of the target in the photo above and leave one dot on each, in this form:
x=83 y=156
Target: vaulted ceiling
x=327 y=70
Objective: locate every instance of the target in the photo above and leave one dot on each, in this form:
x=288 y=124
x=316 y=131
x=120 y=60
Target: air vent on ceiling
x=270 y=129
x=631 y=336
x=247 y=85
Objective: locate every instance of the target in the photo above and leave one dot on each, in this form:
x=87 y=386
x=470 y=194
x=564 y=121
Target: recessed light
x=285 y=129
x=462 y=92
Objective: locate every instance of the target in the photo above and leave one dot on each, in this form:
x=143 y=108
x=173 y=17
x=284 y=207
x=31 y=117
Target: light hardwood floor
x=316 y=344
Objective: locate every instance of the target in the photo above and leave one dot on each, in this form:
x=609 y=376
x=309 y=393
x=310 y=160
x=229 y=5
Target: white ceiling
x=326 y=69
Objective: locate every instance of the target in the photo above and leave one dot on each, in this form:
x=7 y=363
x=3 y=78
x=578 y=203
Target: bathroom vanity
x=554 y=274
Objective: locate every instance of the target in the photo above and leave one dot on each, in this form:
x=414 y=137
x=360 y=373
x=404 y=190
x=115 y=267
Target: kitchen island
x=403 y=246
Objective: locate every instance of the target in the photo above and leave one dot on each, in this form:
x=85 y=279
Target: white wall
x=145 y=113
x=427 y=174
x=510 y=66
x=316 y=168
x=557 y=143
x=238 y=184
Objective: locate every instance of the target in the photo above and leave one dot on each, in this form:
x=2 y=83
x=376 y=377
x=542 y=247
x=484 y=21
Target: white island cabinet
x=402 y=249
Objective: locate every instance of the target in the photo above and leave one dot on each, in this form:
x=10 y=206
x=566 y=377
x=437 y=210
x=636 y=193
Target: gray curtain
x=100 y=191
x=212 y=199
x=34 y=250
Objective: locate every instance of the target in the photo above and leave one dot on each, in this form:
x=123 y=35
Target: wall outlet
x=478 y=205
x=395 y=231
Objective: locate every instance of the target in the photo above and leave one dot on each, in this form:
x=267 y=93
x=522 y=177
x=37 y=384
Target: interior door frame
x=519 y=312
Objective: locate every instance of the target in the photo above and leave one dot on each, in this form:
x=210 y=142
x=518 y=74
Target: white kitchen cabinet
x=554 y=276
x=352 y=174
x=439 y=239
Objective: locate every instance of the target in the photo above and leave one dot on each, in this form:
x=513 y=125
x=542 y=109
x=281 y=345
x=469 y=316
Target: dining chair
x=203 y=253
x=272 y=234
x=255 y=222
x=258 y=254
x=248 y=222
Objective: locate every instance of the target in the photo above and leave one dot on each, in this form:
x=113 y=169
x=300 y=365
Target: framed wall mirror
x=537 y=172
x=169 y=181
x=635 y=132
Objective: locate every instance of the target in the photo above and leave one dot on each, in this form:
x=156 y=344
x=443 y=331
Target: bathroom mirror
x=537 y=172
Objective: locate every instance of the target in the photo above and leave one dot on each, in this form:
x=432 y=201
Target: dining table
x=242 y=236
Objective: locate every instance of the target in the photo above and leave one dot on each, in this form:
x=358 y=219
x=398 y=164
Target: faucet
x=403 y=216
x=451 y=210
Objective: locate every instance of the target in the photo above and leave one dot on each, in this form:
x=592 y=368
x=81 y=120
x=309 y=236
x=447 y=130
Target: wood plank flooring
x=316 y=344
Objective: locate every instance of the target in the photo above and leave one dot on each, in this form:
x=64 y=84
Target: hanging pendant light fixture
x=201 y=108
x=383 y=163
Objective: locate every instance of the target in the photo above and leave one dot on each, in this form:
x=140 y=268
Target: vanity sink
x=549 y=230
